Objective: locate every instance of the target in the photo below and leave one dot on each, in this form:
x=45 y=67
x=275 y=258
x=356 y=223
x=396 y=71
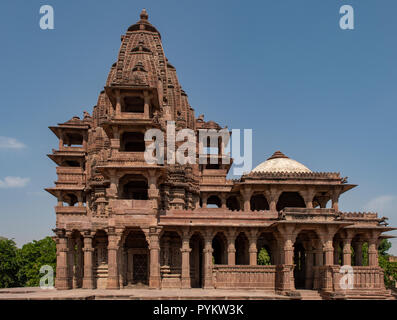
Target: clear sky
x=324 y=96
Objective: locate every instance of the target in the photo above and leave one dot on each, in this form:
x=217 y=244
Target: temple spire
x=144 y=15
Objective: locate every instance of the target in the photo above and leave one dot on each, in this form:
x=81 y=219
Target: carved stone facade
x=122 y=222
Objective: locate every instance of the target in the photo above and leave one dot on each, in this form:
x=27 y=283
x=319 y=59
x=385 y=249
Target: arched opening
x=196 y=260
x=338 y=250
x=220 y=249
x=100 y=245
x=134 y=187
x=259 y=202
x=266 y=244
x=133 y=104
x=214 y=202
x=70 y=163
x=170 y=254
x=290 y=200
x=306 y=260
x=232 y=203
x=72 y=139
x=359 y=251
x=242 y=253
x=132 y=142
x=136 y=258
x=300 y=265
x=70 y=199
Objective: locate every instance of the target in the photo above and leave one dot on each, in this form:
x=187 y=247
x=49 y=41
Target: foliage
x=263 y=257
x=21 y=267
x=8 y=264
x=390 y=268
x=32 y=257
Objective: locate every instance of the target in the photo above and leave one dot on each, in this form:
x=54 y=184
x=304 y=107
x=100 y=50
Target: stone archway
x=219 y=245
x=307 y=257
x=136 y=258
x=242 y=249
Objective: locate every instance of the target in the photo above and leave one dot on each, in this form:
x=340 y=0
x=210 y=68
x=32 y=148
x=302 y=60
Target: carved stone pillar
x=272 y=196
x=113 y=246
x=231 y=249
x=62 y=271
x=88 y=278
x=185 y=276
x=207 y=253
x=253 y=251
x=246 y=195
x=308 y=196
x=204 y=198
x=318 y=253
x=154 y=246
x=372 y=252
x=223 y=201
x=326 y=236
x=335 y=199
x=112 y=191
x=347 y=253
x=328 y=252
x=153 y=192
x=146 y=98
x=118 y=103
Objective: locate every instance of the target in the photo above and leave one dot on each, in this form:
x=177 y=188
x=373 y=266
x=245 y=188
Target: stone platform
x=136 y=294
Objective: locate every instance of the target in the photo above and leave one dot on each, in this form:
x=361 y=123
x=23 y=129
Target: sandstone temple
x=121 y=222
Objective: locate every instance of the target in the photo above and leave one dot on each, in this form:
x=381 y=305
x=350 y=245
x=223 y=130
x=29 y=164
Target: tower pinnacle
x=144 y=15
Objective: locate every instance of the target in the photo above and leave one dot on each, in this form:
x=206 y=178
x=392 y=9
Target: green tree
x=32 y=257
x=263 y=257
x=8 y=264
x=389 y=268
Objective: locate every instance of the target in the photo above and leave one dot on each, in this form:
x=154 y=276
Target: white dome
x=279 y=162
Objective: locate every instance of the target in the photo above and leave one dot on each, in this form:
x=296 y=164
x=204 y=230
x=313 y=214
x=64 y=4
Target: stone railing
x=72 y=149
x=315 y=214
x=328 y=278
x=70 y=210
x=70 y=175
x=244 y=277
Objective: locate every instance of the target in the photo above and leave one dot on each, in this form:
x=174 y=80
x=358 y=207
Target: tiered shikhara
x=121 y=221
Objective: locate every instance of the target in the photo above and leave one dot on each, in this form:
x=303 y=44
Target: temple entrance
x=196 y=261
x=136 y=258
x=139 y=265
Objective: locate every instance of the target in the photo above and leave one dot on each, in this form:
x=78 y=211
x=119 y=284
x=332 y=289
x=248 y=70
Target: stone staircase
x=309 y=294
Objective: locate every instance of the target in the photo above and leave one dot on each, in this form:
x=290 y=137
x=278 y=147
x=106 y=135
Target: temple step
x=309 y=294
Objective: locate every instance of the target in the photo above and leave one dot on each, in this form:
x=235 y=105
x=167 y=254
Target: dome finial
x=144 y=15
x=277 y=155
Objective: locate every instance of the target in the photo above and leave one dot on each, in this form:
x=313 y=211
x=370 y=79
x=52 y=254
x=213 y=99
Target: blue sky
x=324 y=96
